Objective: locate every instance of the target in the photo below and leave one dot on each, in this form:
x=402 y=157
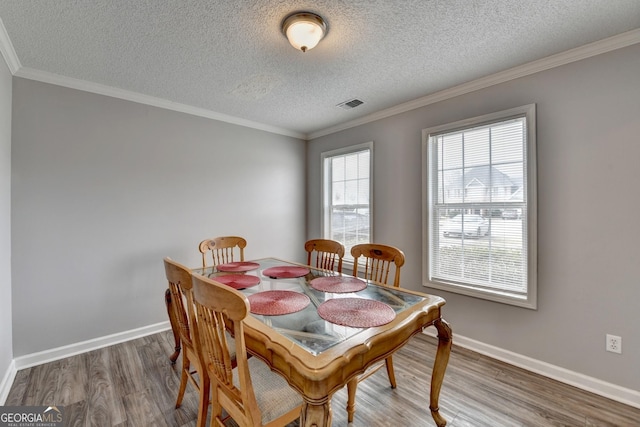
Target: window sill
x=495 y=296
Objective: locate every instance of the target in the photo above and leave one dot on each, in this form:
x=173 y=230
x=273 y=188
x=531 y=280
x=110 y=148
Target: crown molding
x=7 y=50
x=16 y=69
x=583 y=52
x=100 y=89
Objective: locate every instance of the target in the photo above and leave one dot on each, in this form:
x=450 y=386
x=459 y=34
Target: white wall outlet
x=614 y=344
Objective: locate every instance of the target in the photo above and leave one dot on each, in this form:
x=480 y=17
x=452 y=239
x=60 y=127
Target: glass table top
x=306 y=328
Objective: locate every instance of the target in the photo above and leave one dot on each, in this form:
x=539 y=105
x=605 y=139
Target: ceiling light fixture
x=304 y=30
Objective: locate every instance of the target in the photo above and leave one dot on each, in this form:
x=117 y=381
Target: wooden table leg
x=174 y=327
x=439 y=367
x=352 y=386
x=316 y=415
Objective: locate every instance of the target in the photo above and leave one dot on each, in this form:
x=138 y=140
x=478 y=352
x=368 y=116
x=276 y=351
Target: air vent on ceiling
x=348 y=105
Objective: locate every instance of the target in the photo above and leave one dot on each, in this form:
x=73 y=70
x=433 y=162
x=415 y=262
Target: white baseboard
x=7 y=382
x=46 y=356
x=584 y=382
x=602 y=388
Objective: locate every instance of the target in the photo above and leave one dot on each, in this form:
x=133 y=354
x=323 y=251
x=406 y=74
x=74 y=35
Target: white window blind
x=478 y=220
x=347 y=190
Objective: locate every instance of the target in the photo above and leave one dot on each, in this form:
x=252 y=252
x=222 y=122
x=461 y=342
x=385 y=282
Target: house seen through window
x=479 y=207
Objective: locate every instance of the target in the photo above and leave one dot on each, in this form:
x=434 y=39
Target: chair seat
x=274 y=396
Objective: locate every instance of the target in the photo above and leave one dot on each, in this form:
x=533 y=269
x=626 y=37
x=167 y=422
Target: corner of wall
x=7 y=382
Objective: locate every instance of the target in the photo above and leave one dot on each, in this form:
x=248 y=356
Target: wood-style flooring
x=133 y=384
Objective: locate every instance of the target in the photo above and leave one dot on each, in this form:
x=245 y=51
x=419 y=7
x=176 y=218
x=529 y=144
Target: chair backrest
x=328 y=254
x=379 y=260
x=180 y=287
x=222 y=250
x=219 y=307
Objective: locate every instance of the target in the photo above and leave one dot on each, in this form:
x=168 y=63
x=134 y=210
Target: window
x=479 y=207
x=347 y=195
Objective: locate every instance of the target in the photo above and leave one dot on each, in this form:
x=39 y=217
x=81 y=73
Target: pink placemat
x=356 y=312
x=235 y=267
x=238 y=281
x=285 y=272
x=338 y=284
x=274 y=303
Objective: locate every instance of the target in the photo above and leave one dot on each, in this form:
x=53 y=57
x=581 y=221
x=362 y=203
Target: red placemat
x=338 y=284
x=285 y=272
x=356 y=312
x=238 y=281
x=235 y=267
x=274 y=303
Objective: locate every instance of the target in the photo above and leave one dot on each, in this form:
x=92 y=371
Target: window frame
x=528 y=112
x=326 y=191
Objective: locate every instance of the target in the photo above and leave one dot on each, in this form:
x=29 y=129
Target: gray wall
x=588 y=122
x=103 y=189
x=6 y=349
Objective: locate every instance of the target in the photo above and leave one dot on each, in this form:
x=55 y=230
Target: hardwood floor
x=133 y=384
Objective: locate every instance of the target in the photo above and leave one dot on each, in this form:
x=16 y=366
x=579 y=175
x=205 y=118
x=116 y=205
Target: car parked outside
x=472 y=226
x=512 y=214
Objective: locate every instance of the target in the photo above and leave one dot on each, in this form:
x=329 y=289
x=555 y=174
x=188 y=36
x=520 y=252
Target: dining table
x=344 y=326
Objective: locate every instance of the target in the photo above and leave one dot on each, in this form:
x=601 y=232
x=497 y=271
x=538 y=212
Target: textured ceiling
x=230 y=58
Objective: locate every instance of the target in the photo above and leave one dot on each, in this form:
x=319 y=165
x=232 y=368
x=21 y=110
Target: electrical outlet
x=614 y=344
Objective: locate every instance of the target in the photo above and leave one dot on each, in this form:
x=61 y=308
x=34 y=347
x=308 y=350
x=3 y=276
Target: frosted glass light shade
x=304 y=30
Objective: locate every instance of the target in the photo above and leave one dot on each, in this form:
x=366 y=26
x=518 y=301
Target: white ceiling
x=228 y=59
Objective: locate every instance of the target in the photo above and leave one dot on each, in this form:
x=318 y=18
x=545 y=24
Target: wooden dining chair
x=180 y=286
x=250 y=393
x=221 y=250
x=326 y=254
x=378 y=262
